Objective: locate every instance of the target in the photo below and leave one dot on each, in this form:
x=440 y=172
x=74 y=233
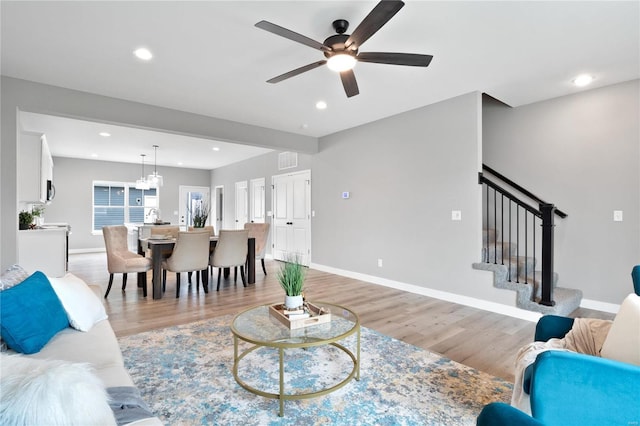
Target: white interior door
x=218 y=210
x=187 y=196
x=242 y=201
x=292 y=216
x=256 y=201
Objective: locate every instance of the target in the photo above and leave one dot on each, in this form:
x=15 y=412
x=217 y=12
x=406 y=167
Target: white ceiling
x=81 y=139
x=210 y=59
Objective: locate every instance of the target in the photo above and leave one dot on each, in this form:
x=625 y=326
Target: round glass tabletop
x=257 y=325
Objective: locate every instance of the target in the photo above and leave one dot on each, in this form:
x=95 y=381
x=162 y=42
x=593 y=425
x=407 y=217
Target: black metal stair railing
x=520 y=219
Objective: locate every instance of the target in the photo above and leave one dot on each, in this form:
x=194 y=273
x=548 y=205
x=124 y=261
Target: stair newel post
x=547 y=211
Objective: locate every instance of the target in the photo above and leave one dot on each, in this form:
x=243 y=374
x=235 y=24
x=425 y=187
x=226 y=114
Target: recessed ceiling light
x=583 y=80
x=104 y=134
x=321 y=105
x=304 y=126
x=215 y=148
x=143 y=53
x=94 y=155
x=180 y=163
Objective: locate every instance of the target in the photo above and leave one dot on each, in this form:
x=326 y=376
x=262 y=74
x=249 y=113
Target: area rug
x=185 y=375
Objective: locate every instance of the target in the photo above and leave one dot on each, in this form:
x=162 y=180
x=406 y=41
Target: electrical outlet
x=617 y=215
x=379 y=263
x=456 y=215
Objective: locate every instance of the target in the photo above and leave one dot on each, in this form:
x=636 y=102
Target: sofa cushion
x=98 y=346
x=83 y=308
x=11 y=276
x=31 y=314
x=51 y=392
x=114 y=375
x=623 y=341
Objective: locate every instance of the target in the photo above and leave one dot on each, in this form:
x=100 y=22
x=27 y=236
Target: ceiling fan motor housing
x=337 y=44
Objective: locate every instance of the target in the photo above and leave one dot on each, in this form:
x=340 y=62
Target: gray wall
x=582 y=153
x=74 y=184
x=406 y=174
x=34 y=97
x=264 y=166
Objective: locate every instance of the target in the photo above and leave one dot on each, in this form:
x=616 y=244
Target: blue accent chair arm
x=501 y=414
x=548 y=327
x=568 y=389
x=552 y=326
x=635 y=277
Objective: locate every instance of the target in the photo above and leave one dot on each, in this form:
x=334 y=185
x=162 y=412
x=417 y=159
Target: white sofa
x=97 y=347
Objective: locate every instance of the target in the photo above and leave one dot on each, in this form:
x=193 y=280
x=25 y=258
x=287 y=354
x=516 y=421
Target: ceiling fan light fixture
x=341 y=62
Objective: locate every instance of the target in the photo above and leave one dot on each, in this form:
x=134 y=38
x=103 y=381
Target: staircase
x=514 y=234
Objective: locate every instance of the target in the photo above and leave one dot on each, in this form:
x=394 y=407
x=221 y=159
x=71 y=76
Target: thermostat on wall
x=345 y=195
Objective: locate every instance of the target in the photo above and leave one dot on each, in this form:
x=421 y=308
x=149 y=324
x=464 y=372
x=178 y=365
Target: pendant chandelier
x=154 y=179
x=142 y=183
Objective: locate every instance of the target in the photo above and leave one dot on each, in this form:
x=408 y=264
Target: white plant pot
x=292 y=302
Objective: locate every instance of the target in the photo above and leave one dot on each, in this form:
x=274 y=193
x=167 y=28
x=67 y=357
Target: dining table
x=161 y=248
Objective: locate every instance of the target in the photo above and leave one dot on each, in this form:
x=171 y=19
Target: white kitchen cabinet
x=43 y=250
x=35 y=167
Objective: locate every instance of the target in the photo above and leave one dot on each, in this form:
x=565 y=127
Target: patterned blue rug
x=185 y=375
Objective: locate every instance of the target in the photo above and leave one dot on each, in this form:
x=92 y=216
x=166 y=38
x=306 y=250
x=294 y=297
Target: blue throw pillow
x=31 y=314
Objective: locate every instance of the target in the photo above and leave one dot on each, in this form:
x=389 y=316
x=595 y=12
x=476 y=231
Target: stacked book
x=298 y=313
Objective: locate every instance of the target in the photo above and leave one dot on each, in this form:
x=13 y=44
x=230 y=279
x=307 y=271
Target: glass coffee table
x=257 y=327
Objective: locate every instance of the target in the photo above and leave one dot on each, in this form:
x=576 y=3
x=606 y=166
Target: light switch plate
x=456 y=215
x=617 y=215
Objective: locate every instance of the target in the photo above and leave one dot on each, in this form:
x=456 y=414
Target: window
x=115 y=203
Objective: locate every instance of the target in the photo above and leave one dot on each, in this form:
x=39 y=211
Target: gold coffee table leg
x=281 y=353
x=358 y=355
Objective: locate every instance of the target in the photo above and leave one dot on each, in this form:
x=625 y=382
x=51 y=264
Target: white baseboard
x=87 y=250
x=485 y=305
x=600 y=306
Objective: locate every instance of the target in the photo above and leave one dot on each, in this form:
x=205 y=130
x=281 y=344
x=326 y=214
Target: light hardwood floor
x=480 y=339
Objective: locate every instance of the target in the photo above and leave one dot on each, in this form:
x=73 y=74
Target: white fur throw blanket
x=586 y=337
x=51 y=393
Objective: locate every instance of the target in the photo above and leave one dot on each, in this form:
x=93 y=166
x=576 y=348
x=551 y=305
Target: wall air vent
x=287 y=160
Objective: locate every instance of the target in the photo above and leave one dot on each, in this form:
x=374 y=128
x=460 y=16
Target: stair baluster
x=545 y=213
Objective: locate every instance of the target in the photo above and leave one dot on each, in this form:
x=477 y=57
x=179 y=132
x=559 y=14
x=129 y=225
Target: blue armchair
x=567 y=388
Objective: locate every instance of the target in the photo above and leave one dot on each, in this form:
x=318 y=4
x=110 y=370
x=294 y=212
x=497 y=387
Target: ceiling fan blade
x=349 y=83
x=379 y=16
x=291 y=35
x=297 y=71
x=410 y=59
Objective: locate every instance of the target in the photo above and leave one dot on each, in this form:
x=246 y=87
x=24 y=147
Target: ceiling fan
x=342 y=50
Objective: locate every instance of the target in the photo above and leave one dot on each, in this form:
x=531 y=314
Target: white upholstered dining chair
x=259 y=231
x=190 y=253
x=231 y=250
x=121 y=260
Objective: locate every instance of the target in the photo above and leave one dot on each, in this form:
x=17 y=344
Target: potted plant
x=37 y=211
x=24 y=219
x=291 y=279
x=200 y=214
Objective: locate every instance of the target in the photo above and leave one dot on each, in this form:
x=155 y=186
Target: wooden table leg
x=157 y=271
x=251 y=261
x=142 y=281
